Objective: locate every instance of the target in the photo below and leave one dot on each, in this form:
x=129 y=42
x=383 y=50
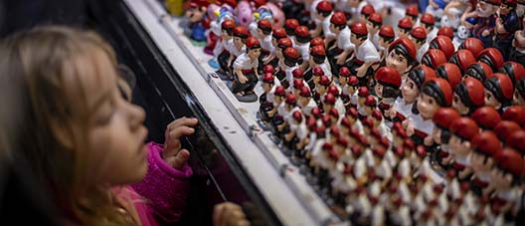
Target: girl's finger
x=181 y=159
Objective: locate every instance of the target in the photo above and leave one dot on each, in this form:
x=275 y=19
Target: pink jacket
x=164 y=188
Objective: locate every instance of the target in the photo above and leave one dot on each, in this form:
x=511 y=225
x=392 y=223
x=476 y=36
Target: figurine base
x=248 y=98
x=213 y=64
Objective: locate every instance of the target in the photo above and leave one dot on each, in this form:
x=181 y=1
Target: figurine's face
x=519 y=38
x=274 y=42
x=267 y=87
x=379 y=90
x=316 y=80
x=436 y=135
x=409 y=91
x=304 y=100
x=195 y=14
x=481 y=163
x=368 y=110
x=501 y=179
x=518 y=99
x=327 y=107
x=351 y=89
x=458 y=147
x=458 y=105
x=352 y=3
x=520 y=10
x=343 y=80
x=238 y=42
x=490 y=100
x=484 y=9
x=383 y=44
x=278 y=100
x=355 y=40
x=361 y=100
x=279 y=53
x=260 y=33
x=504 y=9
x=427 y=106
x=321 y=89
x=398 y=61
x=254 y=53
x=402 y=33
x=225 y=35
x=369 y=26
x=333 y=29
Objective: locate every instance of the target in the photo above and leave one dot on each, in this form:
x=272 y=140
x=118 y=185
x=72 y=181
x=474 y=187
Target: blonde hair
x=37 y=62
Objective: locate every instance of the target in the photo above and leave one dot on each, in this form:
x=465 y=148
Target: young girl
x=85 y=143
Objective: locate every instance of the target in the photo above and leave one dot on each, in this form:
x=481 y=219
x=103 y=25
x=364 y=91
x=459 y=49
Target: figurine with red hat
x=236 y=47
x=402 y=56
x=290 y=107
x=388 y=81
x=486 y=147
x=435 y=93
x=341 y=48
x=297 y=137
x=322 y=14
x=492 y=57
x=220 y=52
x=498 y=91
x=412 y=13
x=404 y=26
x=302 y=44
x=434 y=58
x=386 y=37
x=349 y=93
x=365 y=54
x=282 y=45
x=343 y=184
x=277 y=113
x=442 y=119
x=507 y=24
x=444 y=44
x=306 y=102
x=277 y=34
x=373 y=24
x=514 y=70
x=506 y=177
x=198 y=20
x=486 y=15
x=519 y=93
x=321 y=89
x=410 y=90
x=479 y=70
x=263 y=33
x=287 y=65
x=246 y=72
x=297 y=82
x=473 y=44
x=468 y=96
x=428 y=21
x=463 y=58
x=419 y=37
x=266 y=100
x=362 y=94
x=461 y=145
x=517 y=53
x=317 y=58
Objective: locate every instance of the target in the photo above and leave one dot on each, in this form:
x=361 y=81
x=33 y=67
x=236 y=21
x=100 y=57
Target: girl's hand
x=173 y=153
x=229 y=214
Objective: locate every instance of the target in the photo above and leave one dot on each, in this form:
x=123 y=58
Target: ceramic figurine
x=514 y=70
x=515 y=114
x=246 y=72
x=517 y=53
x=486 y=117
x=473 y=44
x=412 y=13
x=365 y=12
x=342 y=47
x=519 y=93
x=419 y=37
x=404 y=26
x=486 y=14
x=460 y=143
x=349 y=93
x=498 y=91
x=444 y=44
x=302 y=44
x=276 y=114
x=365 y=54
x=320 y=89
x=287 y=66
x=434 y=58
x=443 y=118
x=402 y=56
x=277 y=34
x=468 y=96
x=507 y=24
x=236 y=47
x=388 y=81
x=322 y=19
x=445 y=31
x=198 y=21
x=373 y=24
x=486 y=147
x=266 y=100
x=463 y=59
x=221 y=48
x=386 y=37
x=317 y=58
x=505 y=128
x=492 y=57
x=480 y=71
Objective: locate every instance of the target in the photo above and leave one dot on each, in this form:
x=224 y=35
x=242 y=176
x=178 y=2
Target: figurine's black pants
x=247 y=86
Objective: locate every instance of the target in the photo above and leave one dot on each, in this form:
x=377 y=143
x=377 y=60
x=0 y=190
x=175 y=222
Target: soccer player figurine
x=302 y=44
x=220 y=52
x=266 y=99
x=410 y=90
x=479 y=70
x=322 y=19
x=198 y=21
x=517 y=53
x=435 y=94
x=486 y=147
x=365 y=53
x=460 y=143
x=498 y=92
x=386 y=37
x=419 y=36
x=506 y=174
x=374 y=23
x=506 y=25
x=492 y=57
x=404 y=26
x=341 y=49
x=468 y=96
x=519 y=93
x=442 y=119
x=388 y=81
x=402 y=56
x=483 y=30
x=246 y=72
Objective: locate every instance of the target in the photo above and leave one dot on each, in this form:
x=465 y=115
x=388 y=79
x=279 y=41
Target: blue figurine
x=506 y=25
x=198 y=21
x=486 y=13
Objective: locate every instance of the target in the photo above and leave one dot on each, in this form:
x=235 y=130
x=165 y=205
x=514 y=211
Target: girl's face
x=427 y=106
x=398 y=61
x=409 y=91
x=115 y=138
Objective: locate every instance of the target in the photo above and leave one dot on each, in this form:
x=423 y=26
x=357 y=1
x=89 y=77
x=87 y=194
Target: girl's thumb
x=181 y=159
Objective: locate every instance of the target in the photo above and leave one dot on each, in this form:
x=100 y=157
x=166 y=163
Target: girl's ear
x=63 y=134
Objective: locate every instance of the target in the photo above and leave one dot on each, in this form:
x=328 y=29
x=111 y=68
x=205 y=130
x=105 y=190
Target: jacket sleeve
x=166 y=189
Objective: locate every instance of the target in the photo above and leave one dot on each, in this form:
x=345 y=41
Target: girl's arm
x=165 y=188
